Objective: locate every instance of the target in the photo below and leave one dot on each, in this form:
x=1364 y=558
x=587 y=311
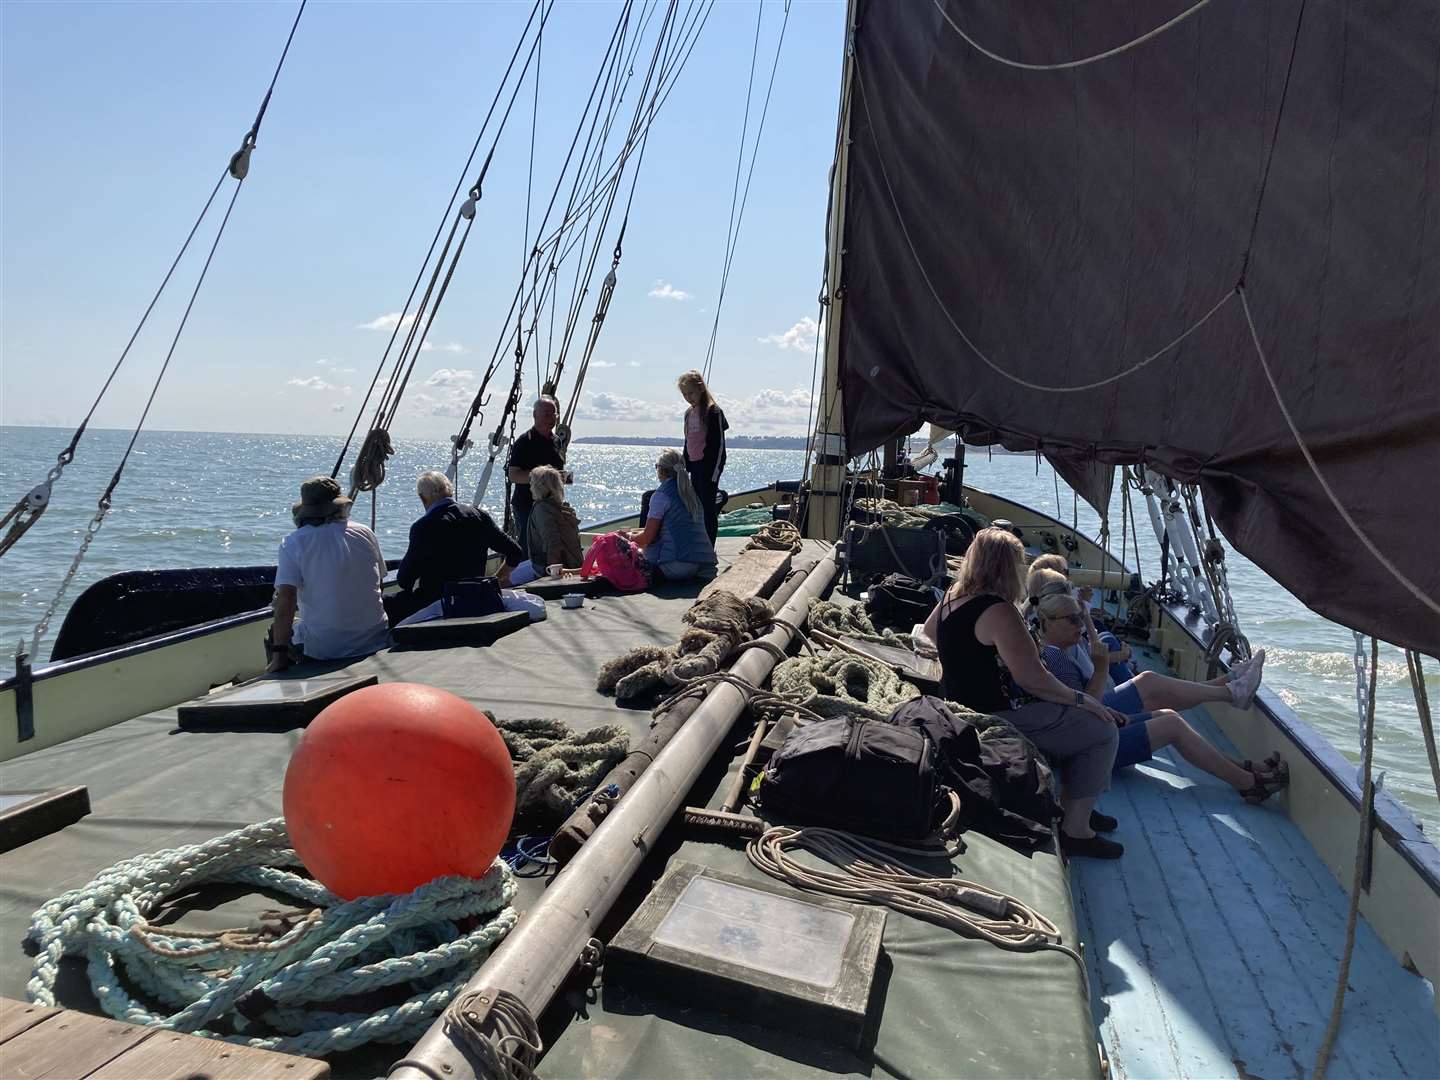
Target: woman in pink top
x=705 y=427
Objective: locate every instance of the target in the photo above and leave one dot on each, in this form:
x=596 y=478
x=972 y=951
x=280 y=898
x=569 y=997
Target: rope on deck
x=842 y=684
x=294 y=972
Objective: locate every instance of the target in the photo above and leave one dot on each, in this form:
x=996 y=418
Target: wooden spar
x=823 y=518
x=581 y=825
x=542 y=950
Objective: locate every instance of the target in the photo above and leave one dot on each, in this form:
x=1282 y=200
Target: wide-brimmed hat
x=319 y=498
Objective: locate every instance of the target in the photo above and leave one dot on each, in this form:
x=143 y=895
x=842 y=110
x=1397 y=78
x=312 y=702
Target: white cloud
x=617 y=408
x=601 y=364
x=800 y=337
x=450 y=347
x=633 y=363
x=663 y=290
x=315 y=382
x=386 y=322
x=781 y=412
x=448 y=377
x=339 y=406
x=334 y=368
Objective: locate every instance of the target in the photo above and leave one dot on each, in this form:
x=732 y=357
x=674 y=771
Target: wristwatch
x=1079 y=697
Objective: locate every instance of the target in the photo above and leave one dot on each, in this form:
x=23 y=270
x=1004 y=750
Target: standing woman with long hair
x=705 y=427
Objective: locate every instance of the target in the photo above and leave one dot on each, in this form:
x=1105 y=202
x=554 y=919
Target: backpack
x=1004 y=787
x=618 y=561
x=860 y=775
x=470 y=598
x=898 y=602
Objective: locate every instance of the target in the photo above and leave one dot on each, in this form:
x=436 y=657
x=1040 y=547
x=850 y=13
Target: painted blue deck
x=1213 y=945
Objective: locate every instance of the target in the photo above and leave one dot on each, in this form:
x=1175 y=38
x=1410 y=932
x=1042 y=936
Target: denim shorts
x=1134 y=744
x=1125 y=698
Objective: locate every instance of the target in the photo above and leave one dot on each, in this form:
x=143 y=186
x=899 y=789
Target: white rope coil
x=288 y=974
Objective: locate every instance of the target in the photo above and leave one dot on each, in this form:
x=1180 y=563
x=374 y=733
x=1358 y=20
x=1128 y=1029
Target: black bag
x=470 y=598
x=898 y=602
x=859 y=775
x=1004 y=787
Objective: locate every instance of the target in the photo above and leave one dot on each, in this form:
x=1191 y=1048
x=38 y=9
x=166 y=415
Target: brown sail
x=1063 y=258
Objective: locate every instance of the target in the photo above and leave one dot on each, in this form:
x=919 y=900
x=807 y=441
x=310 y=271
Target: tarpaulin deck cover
x=1071 y=223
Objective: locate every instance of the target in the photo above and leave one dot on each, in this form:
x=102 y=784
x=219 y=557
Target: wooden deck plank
x=69 y=1046
x=1166 y=1014
x=169 y=1055
x=1234 y=945
x=1390 y=1027
x=756 y=572
x=18 y=1016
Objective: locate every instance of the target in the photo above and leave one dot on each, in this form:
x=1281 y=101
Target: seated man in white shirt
x=331 y=569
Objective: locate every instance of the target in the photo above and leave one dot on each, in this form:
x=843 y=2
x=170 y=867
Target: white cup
x=553 y=570
x=574 y=600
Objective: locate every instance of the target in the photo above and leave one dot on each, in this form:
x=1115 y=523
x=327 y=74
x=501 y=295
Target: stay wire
x=1340 y=509
x=439 y=229
x=745 y=197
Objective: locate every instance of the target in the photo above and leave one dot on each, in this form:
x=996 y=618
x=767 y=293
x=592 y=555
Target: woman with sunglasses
x=1060 y=622
x=1148 y=690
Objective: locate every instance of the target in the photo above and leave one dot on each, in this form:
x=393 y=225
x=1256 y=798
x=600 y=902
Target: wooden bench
x=757 y=572
x=38 y=1042
x=555 y=588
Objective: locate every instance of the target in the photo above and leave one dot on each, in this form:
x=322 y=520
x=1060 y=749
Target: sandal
x=1271 y=776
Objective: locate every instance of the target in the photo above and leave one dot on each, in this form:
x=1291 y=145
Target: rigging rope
x=868 y=871
x=440 y=228
x=1069 y=64
x=732 y=231
x=32 y=505
x=289 y=971
x=1345 y=516
x=1413 y=662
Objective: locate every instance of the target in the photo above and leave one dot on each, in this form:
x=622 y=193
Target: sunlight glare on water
x=199 y=499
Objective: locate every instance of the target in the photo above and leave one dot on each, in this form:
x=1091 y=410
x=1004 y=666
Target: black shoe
x=1102 y=822
x=1092 y=847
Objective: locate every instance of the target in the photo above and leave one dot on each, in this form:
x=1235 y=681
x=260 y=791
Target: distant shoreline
x=734 y=442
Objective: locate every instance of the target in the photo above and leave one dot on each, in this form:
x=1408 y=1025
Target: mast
x=824 y=516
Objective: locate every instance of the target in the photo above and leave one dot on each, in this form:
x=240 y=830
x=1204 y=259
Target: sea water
x=207 y=499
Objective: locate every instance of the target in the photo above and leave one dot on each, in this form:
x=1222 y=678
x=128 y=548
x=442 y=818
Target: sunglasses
x=1075 y=619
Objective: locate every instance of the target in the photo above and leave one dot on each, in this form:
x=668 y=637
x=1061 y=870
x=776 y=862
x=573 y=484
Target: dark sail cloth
x=1005 y=789
x=1071 y=224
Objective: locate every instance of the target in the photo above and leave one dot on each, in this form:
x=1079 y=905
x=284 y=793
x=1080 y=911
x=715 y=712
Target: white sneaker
x=1242 y=689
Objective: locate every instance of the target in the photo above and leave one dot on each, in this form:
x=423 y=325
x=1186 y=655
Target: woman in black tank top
x=977 y=628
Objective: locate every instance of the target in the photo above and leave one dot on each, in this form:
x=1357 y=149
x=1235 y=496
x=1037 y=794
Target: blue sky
x=117 y=117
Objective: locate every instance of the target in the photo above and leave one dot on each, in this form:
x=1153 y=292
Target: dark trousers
x=522 y=528
x=707 y=493
x=401 y=605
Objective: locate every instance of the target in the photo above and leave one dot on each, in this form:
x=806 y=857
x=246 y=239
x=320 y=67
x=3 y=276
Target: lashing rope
x=286 y=974
x=868 y=871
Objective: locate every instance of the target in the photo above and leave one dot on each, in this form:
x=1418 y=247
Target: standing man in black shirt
x=535 y=447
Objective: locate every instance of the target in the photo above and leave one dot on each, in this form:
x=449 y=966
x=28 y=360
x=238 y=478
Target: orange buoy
x=395 y=785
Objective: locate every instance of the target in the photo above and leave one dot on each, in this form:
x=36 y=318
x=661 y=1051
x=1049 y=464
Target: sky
x=116 y=119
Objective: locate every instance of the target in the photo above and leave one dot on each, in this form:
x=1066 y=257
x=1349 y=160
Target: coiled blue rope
x=280 y=976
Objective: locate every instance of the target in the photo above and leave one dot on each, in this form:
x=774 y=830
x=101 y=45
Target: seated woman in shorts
x=1144 y=732
x=976 y=628
x=1148 y=690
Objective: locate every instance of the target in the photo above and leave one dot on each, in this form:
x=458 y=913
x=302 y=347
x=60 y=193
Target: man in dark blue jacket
x=450 y=542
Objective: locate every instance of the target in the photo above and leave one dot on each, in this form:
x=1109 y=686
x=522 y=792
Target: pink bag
x=618 y=561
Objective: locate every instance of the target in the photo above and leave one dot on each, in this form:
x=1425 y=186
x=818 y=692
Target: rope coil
x=287 y=974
